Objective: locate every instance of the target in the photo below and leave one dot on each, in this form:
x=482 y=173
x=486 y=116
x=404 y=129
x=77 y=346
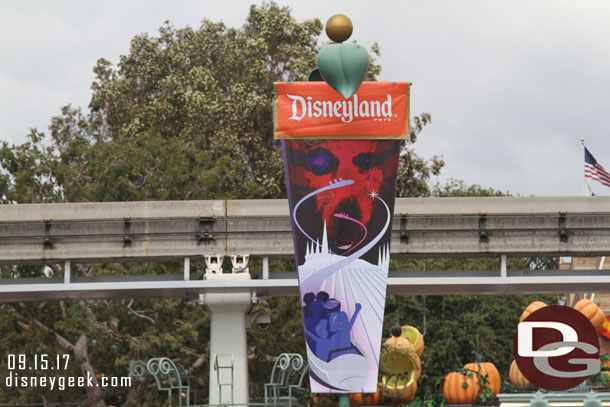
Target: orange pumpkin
x=516 y=377
x=399 y=342
x=416 y=338
x=590 y=310
x=374 y=399
x=461 y=389
x=399 y=389
x=536 y=305
x=605 y=328
x=487 y=369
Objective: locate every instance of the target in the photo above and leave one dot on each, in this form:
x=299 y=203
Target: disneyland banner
x=379 y=110
x=341 y=196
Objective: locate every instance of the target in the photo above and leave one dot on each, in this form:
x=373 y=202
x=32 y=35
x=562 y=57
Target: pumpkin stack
x=479 y=380
x=401 y=364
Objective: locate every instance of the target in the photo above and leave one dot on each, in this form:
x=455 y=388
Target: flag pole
x=584 y=168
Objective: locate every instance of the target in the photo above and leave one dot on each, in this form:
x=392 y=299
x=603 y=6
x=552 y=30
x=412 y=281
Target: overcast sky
x=512 y=86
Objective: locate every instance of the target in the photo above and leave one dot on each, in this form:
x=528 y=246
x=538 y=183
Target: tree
x=413 y=171
x=185 y=115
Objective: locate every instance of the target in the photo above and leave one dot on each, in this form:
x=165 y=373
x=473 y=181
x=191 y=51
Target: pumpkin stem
x=478 y=358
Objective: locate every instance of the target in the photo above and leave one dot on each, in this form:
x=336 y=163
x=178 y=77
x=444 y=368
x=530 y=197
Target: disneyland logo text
x=346 y=110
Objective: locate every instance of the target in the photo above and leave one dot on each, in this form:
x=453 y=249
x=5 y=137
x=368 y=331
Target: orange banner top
x=315 y=110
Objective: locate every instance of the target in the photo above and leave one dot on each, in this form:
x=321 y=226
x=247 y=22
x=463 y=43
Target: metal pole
x=584 y=174
x=425 y=325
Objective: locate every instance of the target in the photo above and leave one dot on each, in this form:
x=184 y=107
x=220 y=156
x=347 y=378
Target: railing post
x=187 y=268
x=67 y=276
x=265 y=268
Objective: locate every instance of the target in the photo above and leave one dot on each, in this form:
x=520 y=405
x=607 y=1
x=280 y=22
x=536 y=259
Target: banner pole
x=584 y=176
x=584 y=168
x=341 y=148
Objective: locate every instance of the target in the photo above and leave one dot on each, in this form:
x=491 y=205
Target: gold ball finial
x=339 y=28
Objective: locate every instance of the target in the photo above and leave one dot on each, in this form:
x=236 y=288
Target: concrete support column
x=228 y=337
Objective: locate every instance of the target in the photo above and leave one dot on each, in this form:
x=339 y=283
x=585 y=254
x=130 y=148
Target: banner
x=379 y=110
x=341 y=196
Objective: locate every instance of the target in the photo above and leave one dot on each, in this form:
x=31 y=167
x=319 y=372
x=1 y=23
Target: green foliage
x=184 y=115
x=117 y=332
x=457 y=188
x=438 y=401
x=457 y=326
x=601 y=379
x=414 y=172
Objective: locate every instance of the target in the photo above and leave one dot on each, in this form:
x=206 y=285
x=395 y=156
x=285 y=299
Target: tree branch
x=138 y=313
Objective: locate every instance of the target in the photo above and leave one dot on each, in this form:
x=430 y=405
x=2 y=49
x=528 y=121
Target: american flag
x=594 y=170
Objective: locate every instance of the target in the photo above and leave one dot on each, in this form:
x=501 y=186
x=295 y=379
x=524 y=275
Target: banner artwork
x=341 y=195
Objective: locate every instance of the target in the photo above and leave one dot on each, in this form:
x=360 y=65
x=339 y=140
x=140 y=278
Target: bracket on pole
x=240 y=263
x=127 y=237
x=404 y=235
x=213 y=264
x=563 y=233
x=483 y=236
x=48 y=240
x=206 y=228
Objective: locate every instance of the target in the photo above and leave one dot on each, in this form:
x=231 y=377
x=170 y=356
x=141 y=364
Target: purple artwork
x=341 y=196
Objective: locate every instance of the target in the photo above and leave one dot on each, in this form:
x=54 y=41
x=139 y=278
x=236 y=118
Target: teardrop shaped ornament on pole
x=343 y=67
